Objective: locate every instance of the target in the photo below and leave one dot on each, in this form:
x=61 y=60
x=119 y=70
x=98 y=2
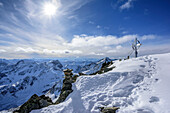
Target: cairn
x=67 y=85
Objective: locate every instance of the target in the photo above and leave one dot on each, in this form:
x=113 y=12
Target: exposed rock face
x=35 y=102
x=67 y=85
x=108 y=109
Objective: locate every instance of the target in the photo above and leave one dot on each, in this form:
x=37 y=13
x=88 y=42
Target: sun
x=49 y=9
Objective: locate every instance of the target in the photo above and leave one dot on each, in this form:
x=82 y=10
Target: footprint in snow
x=156 y=79
x=154 y=99
x=146 y=110
x=143 y=66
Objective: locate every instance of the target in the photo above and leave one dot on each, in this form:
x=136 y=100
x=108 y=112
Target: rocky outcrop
x=105 y=68
x=97 y=67
x=108 y=109
x=35 y=102
x=67 y=85
x=38 y=102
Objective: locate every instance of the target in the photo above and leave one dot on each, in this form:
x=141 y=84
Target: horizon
x=51 y=29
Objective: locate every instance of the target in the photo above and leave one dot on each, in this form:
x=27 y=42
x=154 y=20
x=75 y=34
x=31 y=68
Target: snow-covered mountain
x=20 y=80
x=76 y=65
x=94 y=66
x=86 y=66
x=137 y=85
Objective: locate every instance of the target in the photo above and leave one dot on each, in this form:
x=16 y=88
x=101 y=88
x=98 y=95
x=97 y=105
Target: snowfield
x=138 y=85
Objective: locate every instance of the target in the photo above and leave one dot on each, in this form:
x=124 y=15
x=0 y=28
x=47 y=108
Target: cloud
x=118 y=47
x=147 y=37
x=98 y=27
x=81 y=41
x=80 y=45
x=27 y=50
x=2 y=51
x=124 y=32
x=91 y=22
x=126 y=5
x=1 y=4
x=66 y=51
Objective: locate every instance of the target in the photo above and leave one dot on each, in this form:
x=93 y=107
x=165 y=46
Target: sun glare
x=49 y=9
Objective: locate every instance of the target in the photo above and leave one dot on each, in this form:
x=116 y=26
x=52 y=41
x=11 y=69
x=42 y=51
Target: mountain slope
x=19 y=81
x=90 y=66
x=138 y=85
x=95 y=66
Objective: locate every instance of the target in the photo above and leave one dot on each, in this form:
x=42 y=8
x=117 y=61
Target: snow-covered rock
x=94 y=66
x=137 y=85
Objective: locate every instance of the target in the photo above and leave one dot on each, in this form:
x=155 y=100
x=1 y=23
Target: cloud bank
x=80 y=46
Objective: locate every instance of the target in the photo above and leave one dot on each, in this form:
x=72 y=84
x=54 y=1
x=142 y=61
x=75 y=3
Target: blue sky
x=82 y=28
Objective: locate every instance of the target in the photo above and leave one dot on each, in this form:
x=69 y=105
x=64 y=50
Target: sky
x=82 y=28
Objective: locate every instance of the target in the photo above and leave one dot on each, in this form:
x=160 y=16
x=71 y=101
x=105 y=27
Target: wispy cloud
x=1 y=4
x=127 y=5
x=26 y=33
x=147 y=37
x=98 y=26
x=91 y=22
x=25 y=29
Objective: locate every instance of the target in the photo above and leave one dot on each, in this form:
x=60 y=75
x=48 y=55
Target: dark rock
x=68 y=72
x=19 y=62
x=66 y=81
x=81 y=74
x=35 y=102
x=57 y=63
x=12 y=89
x=74 y=78
x=63 y=96
x=32 y=81
x=4 y=92
x=67 y=85
x=108 y=109
x=2 y=75
x=21 y=73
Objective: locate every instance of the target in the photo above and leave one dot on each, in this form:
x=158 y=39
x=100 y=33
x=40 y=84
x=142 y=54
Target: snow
x=137 y=85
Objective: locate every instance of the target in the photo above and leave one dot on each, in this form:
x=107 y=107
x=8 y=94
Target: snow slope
x=138 y=85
